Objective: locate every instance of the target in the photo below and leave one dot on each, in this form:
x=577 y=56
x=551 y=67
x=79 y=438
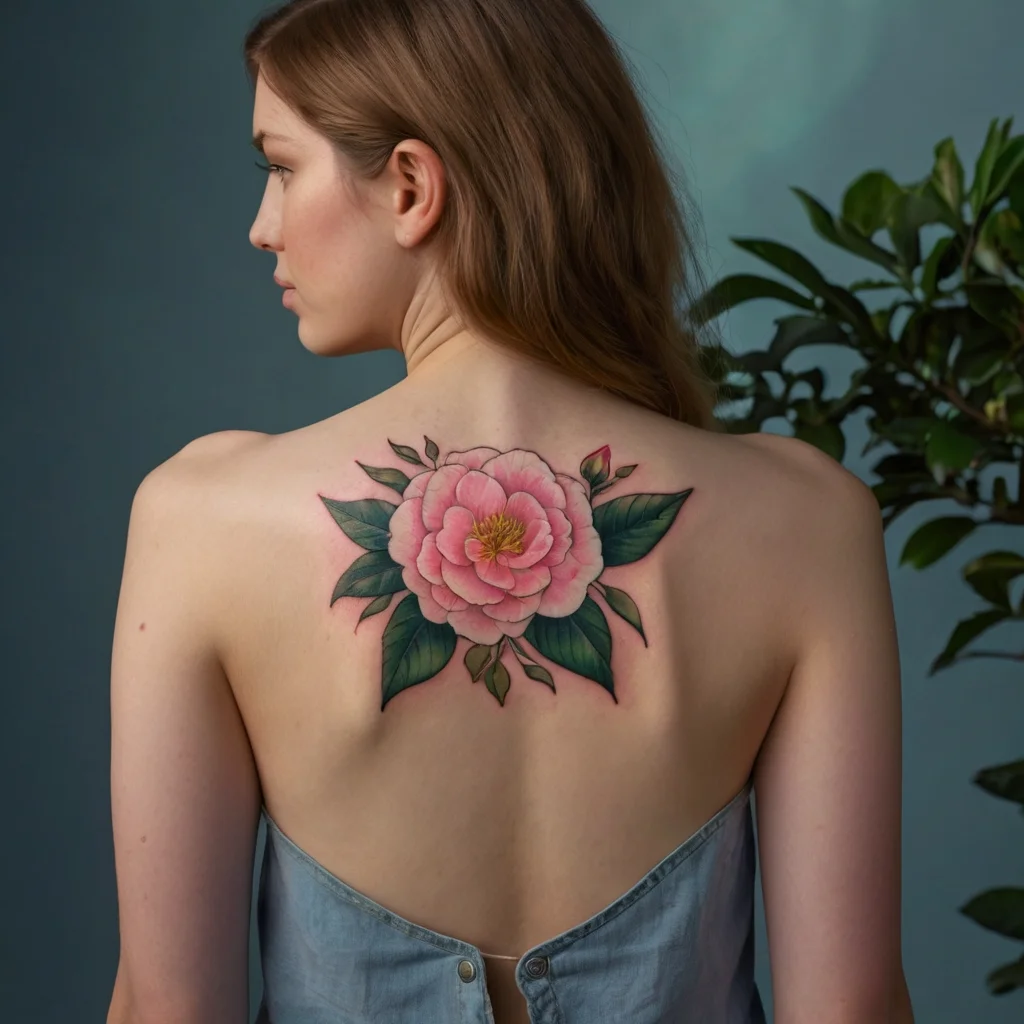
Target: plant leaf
x=414 y=649
x=867 y=202
x=984 y=166
x=990 y=576
x=366 y=521
x=631 y=525
x=1009 y=162
x=967 y=630
x=1005 y=781
x=738 y=288
x=999 y=910
x=580 y=642
x=622 y=604
x=372 y=574
x=948 y=176
x=929 y=542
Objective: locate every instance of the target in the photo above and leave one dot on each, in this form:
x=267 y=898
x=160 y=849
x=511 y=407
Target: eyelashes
x=271 y=168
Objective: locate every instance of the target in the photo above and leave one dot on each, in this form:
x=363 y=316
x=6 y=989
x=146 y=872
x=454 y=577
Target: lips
x=282 y=283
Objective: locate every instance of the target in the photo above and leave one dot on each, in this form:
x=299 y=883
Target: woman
x=502 y=653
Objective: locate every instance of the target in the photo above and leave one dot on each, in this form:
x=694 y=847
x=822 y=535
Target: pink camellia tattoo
x=500 y=549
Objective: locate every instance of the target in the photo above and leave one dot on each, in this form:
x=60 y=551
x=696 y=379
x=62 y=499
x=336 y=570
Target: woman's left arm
x=185 y=794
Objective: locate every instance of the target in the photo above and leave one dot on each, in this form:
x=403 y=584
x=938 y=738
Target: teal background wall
x=137 y=317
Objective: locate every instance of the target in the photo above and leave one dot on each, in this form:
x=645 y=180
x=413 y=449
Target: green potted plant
x=940 y=375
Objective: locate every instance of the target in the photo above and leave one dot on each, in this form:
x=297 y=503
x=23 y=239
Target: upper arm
x=185 y=795
x=828 y=778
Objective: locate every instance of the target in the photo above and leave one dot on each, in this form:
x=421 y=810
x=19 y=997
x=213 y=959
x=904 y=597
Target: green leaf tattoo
x=480 y=538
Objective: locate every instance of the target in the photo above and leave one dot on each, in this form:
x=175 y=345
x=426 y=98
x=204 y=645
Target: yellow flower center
x=497 y=533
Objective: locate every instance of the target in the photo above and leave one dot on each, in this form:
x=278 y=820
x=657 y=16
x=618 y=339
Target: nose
x=265 y=233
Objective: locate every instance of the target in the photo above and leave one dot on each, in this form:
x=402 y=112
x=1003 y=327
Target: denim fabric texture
x=677 y=948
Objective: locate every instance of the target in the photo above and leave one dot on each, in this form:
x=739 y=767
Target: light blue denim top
x=677 y=948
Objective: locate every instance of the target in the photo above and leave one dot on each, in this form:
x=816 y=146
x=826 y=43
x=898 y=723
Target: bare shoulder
x=805 y=464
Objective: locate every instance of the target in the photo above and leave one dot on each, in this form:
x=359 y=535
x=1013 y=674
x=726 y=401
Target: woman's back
x=506 y=822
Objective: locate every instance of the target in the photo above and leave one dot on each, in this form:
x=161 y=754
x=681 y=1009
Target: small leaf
x=990 y=576
x=928 y=543
x=476 y=659
x=1010 y=161
x=840 y=232
x=539 y=673
x=622 y=604
x=967 y=630
x=999 y=910
x=984 y=166
x=867 y=201
x=1006 y=977
x=431 y=449
x=930 y=274
x=1005 y=781
x=403 y=451
x=393 y=478
x=378 y=604
x=739 y=288
x=497 y=680
x=948 y=175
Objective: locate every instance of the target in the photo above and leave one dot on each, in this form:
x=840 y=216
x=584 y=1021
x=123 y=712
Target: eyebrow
x=257 y=139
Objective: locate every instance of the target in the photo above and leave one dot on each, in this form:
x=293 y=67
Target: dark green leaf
x=403 y=451
x=540 y=674
x=366 y=521
x=990 y=576
x=948 y=175
x=839 y=232
x=928 y=543
x=370 y=575
x=414 y=649
x=1000 y=910
x=431 y=449
x=497 y=680
x=580 y=642
x=930 y=275
x=1005 y=781
x=984 y=166
x=393 y=478
x=622 y=604
x=1006 y=977
x=826 y=436
x=738 y=288
x=630 y=526
x=998 y=304
x=378 y=604
x=838 y=300
x=1010 y=161
x=867 y=201
x=977 y=367
x=967 y=630
x=948 y=450
x=477 y=658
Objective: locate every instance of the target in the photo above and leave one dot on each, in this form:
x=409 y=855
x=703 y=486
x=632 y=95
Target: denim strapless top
x=678 y=947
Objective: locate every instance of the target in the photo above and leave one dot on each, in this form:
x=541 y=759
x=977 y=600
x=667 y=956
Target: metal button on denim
x=467 y=972
x=537 y=966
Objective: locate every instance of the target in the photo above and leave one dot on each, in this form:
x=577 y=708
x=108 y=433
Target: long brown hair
x=564 y=235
